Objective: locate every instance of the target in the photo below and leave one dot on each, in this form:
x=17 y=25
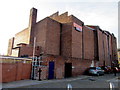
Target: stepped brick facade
x=66 y=41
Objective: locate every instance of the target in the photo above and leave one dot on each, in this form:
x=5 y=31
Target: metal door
x=51 y=70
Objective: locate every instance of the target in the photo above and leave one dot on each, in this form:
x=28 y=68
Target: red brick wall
x=32 y=17
x=71 y=39
x=26 y=72
x=110 y=46
x=19 y=71
x=15 y=71
x=32 y=22
x=66 y=40
x=44 y=73
x=19 y=68
x=88 y=43
x=52 y=37
x=76 y=44
x=77 y=39
x=8 y=72
x=28 y=50
x=114 y=49
x=40 y=30
x=96 y=53
x=76 y=20
x=100 y=47
x=107 y=57
x=59 y=67
x=80 y=66
x=47 y=33
x=0 y=73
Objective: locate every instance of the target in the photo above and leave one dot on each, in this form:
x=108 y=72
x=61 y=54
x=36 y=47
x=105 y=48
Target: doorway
x=68 y=70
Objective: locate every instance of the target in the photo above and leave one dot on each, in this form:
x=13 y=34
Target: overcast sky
x=14 y=14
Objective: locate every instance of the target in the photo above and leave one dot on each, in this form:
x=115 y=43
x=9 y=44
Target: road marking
x=69 y=87
x=113 y=79
x=76 y=79
x=111 y=86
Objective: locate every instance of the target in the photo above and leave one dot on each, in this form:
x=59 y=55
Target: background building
x=118 y=57
x=66 y=45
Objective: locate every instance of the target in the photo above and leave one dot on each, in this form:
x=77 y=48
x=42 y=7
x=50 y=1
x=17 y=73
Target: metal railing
x=8 y=59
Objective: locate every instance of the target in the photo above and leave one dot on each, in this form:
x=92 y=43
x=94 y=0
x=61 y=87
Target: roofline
x=18 y=58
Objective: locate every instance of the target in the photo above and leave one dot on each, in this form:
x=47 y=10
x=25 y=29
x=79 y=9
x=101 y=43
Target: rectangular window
x=77 y=27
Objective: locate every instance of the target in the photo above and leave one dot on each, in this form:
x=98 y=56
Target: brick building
x=67 y=45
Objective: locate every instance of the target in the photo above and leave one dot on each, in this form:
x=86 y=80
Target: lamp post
x=33 y=67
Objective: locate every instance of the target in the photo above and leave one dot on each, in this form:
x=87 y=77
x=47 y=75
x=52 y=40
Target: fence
x=13 y=69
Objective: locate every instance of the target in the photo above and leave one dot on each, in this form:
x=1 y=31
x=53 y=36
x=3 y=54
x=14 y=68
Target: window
x=77 y=27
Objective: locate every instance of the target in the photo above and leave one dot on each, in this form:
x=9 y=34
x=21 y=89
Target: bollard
x=69 y=87
x=112 y=86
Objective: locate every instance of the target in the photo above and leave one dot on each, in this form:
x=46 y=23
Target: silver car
x=95 y=71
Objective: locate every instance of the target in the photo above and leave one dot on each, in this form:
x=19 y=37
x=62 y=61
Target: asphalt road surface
x=91 y=82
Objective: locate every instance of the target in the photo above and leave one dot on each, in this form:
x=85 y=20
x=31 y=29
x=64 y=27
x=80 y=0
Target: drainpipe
x=33 y=67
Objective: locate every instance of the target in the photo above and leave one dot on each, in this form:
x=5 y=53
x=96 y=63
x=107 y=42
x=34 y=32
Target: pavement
x=22 y=83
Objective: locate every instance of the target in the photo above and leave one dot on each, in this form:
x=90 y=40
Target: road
x=90 y=82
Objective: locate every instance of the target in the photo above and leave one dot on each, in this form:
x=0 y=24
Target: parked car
x=95 y=71
x=117 y=69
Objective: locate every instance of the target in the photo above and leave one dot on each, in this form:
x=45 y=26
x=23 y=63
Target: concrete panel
x=15 y=52
x=63 y=18
x=22 y=37
x=10 y=46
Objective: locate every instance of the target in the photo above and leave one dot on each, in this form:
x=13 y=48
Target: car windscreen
x=98 y=68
